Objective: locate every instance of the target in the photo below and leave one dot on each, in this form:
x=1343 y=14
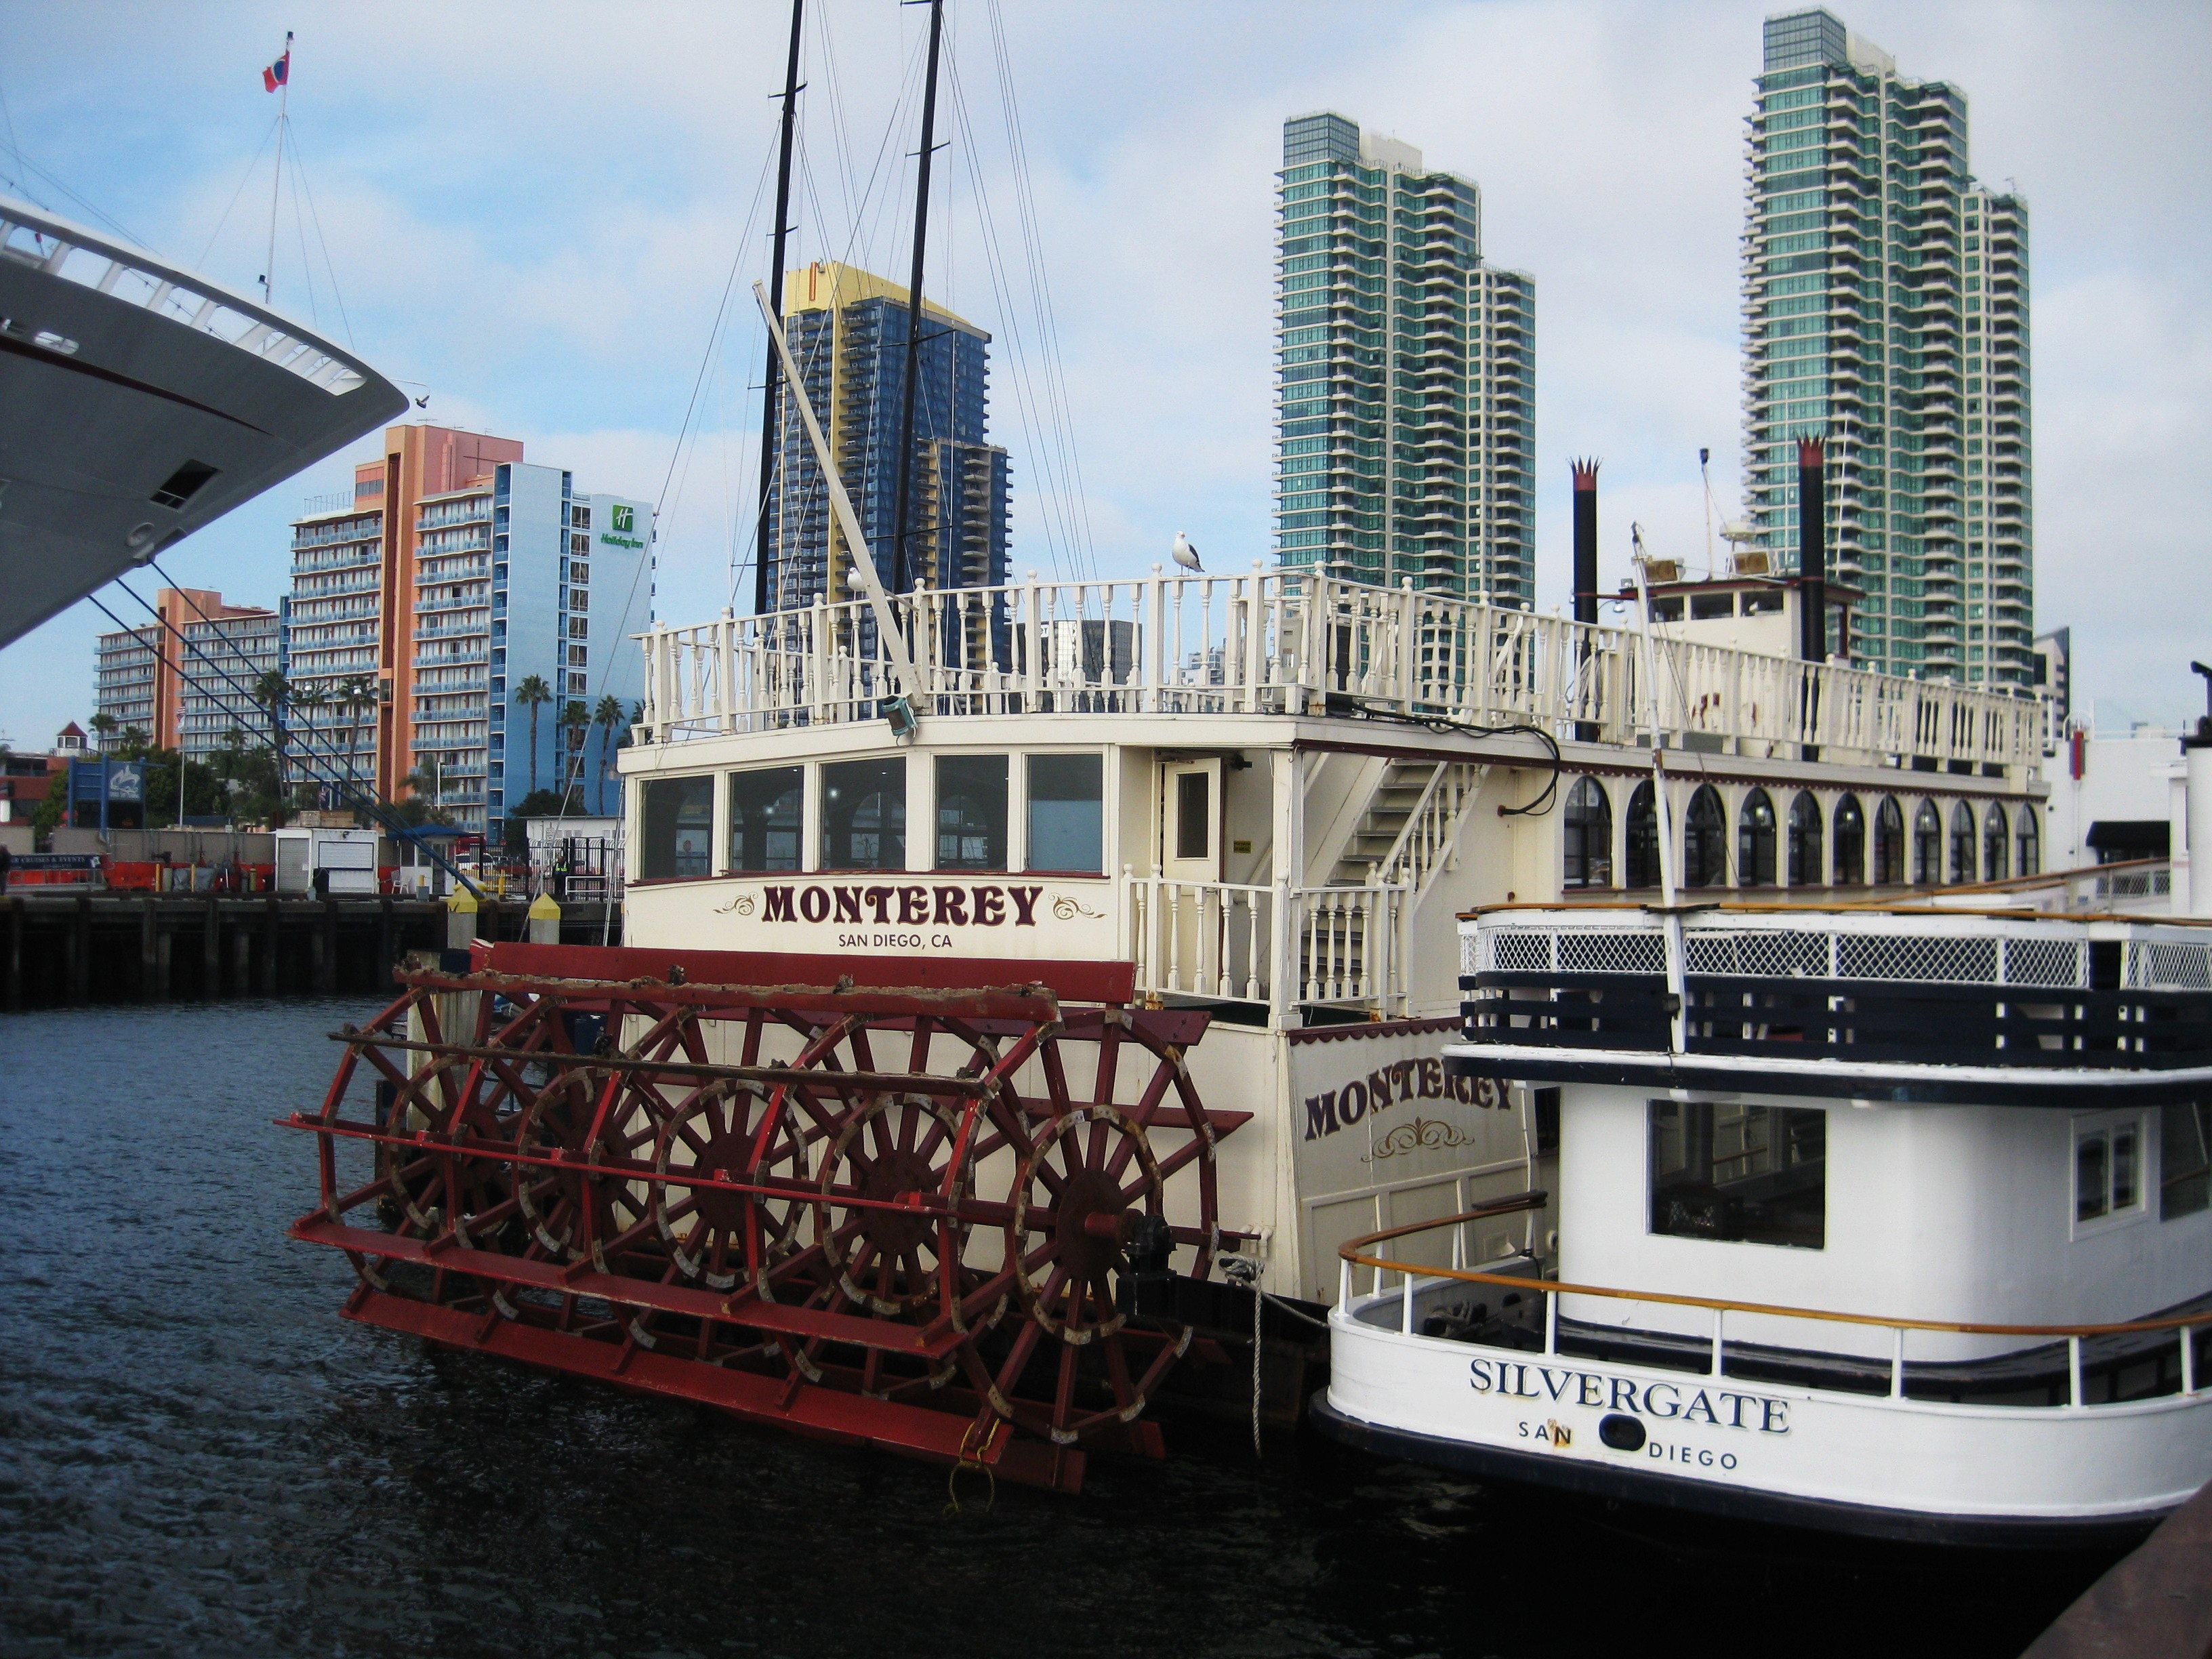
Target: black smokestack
x=1585 y=473
x=1812 y=551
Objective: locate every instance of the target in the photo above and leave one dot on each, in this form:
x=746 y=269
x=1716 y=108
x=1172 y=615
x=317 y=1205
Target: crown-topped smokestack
x=1812 y=551
x=1585 y=471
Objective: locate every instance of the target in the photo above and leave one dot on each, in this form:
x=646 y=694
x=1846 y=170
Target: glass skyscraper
x=1406 y=401
x=848 y=328
x=1885 y=309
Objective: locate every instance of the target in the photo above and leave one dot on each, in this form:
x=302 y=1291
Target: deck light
x=900 y=712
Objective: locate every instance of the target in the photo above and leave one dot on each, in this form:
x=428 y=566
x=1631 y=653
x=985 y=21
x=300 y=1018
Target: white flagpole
x=276 y=177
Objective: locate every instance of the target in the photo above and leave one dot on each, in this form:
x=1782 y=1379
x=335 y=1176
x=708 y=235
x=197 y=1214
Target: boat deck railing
x=1293 y=643
x=2092 y=1364
x=31 y=237
x=1858 y=984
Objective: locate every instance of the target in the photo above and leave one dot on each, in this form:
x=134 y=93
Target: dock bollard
x=460 y=919
x=544 y=921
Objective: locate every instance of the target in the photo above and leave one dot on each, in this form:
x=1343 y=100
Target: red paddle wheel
x=909 y=1215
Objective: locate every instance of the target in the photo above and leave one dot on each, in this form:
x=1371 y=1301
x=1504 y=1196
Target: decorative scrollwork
x=743 y=905
x=1066 y=909
x=1422 y=1134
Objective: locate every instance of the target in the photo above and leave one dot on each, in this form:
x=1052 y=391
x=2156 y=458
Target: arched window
x=1928 y=845
x=1850 y=843
x=2031 y=846
x=1808 y=847
x=1590 y=835
x=1996 y=837
x=1704 y=840
x=1643 y=849
x=1888 y=843
x=1962 y=843
x=1755 y=841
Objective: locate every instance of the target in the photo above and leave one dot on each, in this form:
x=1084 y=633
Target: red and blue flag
x=280 y=72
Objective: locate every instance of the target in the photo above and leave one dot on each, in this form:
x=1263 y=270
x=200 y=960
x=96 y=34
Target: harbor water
x=198 y=1455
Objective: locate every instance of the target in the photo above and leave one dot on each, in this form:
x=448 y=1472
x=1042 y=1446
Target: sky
x=546 y=220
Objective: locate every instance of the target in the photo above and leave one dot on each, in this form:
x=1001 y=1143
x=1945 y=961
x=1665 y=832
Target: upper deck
x=1292 y=643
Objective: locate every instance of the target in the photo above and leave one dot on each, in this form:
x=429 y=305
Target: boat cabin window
x=1588 y=836
x=1962 y=844
x=1068 y=813
x=2031 y=849
x=1762 y=604
x=1705 y=839
x=2184 y=1158
x=2107 y=1168
x=1928 y=845
x=1850 y=843
x=1754 y=837
x=972 y=812
x=1642 y=838
x=1667 y=610
x=766 y=810
x=676 y=834
x=1747 y=1175
x=863 y=814
x=1888 y=843
x=1997 y=835
x=1705 y=606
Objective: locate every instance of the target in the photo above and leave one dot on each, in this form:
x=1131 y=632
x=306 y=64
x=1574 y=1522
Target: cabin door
x=1190 y=820
x=1190 y=922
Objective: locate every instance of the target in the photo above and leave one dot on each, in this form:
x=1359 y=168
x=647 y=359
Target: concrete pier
x=58 y=948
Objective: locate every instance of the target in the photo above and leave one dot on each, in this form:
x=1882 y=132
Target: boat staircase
x=1395 y=837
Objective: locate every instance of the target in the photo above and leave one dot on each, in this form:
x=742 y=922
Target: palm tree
x=103 y=724
x=356 y=692
x=533 y=694
x=578 y=720
x=606 y=716
x=272 y=692
x=312 y=699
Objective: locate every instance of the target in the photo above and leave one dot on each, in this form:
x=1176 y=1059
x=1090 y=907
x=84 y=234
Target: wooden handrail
x=1350 y=1251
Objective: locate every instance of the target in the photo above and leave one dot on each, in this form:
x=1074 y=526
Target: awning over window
x=2114 y=839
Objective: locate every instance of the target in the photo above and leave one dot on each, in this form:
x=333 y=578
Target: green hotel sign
x=625 y=523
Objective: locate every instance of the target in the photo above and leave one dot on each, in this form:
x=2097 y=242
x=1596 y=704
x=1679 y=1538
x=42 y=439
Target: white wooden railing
x=1278 y=945
x=1286 y=642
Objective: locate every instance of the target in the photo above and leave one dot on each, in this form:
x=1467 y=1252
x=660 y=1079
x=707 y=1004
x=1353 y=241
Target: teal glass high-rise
x=1406 y=397
x=1885 y=310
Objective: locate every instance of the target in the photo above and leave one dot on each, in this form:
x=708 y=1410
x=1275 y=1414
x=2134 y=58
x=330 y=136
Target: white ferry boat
x=1895 y=1221
x=140 y=401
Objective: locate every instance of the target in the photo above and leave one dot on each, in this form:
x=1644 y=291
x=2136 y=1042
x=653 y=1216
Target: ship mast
x=913 y=303
x=276 y=176
x=769 y=433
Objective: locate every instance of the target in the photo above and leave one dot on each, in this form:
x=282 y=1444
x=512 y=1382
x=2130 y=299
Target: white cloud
x=534 y=212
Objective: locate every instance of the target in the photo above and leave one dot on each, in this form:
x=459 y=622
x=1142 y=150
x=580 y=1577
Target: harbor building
x=1407 y=396
x=848 y=331
x=424 y=610
x=190 y=695
x=1885 y=309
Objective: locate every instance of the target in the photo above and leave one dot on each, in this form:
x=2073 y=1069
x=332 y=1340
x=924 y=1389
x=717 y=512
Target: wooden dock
x=62 y=948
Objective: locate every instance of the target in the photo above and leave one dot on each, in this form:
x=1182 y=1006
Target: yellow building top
x=827 y=284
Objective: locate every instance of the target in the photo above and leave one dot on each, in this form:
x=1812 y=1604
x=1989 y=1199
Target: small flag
x=280 y=72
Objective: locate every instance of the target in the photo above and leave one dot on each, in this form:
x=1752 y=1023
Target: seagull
x=1185 y=554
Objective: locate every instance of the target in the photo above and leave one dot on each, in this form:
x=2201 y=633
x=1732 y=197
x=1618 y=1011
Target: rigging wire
x=1040 y=283
x=252 y=168
x=25 y=164
x=330 y=266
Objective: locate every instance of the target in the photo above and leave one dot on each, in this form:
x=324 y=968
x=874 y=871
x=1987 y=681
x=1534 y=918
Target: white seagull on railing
x=1185 y=554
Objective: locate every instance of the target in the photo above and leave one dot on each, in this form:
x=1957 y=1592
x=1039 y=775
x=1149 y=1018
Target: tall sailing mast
x=281 y=72
x=769 y=434
x=899 y=583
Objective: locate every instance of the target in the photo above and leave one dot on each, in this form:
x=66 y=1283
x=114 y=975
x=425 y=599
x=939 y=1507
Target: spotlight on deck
x=900 y=712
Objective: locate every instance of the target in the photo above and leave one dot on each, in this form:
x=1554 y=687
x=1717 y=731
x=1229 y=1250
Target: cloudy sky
x=532 y=213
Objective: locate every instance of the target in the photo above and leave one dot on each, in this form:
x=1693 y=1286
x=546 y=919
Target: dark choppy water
x=197 y=1455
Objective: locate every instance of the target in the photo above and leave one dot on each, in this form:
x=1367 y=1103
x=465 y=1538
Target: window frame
x=1586 y=788
x=1016 y=803
x=2088 y=1126
x=1024 y=796
x=821 y=798
x=1778 y=1120
x=729 y=865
